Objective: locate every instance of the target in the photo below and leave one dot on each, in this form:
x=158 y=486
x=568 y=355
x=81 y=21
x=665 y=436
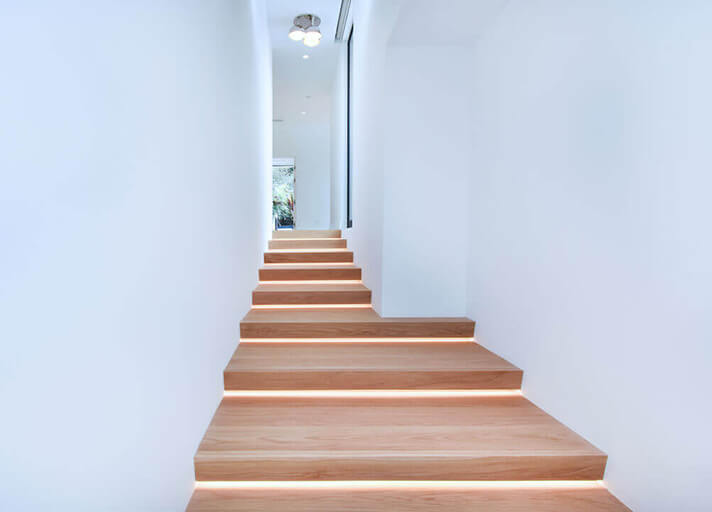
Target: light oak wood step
x=473 y=438
x=348 y=323
x=309 y=272
x=415 y=499
x=373 y=366
x=336 y=293
x=306 y=233
x=307 y=256
x=308 y=243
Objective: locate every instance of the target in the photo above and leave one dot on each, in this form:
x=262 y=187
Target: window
x=283 y=180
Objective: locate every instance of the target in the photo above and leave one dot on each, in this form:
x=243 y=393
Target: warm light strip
x=372 y=393
x=404 y=484
x=309 y=263
x=308 y=306
x=323 y=281
x=315 y=249
x=355 y=340
x=302 y=239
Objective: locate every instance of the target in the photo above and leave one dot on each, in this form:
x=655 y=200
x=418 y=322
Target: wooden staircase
x=330 y=407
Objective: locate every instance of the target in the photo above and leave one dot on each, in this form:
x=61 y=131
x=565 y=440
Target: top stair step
x=306 y=233
x=308 y=243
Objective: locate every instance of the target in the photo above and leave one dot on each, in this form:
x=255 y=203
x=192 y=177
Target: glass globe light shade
x=296 y=33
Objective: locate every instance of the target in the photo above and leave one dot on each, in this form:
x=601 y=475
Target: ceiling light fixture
x=296 y=33
x=306 y=29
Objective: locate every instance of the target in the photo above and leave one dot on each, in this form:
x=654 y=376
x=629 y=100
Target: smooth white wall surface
x=373 y=22
x=338 y=143
x=308 y=143
x=590 y=243
x=427 y=159
x=588 y=220
x=134 y=205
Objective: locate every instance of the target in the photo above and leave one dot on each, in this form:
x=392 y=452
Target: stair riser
x=405 y=468
x=409 y=329
x=307 y=244
x=374 y=380
x=316 y=274
x=309 y=257
x=291 y=298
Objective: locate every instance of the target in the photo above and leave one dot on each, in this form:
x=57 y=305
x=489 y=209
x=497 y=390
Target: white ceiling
x=293 y=77
x=448 y=22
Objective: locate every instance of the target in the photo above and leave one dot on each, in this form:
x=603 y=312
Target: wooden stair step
x=306 y=233
x=388 y=366
x=348 y=323
x=408 y=499
x=297 y=293
x=308 y=243
x=310 y=273
x=309 y=256
x=361 y=438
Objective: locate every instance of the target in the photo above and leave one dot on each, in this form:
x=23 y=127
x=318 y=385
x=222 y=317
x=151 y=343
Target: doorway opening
x=283 y=182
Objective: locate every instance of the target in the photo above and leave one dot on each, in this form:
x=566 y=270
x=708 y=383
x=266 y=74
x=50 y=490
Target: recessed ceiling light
x=304 y=113
x=305 y=56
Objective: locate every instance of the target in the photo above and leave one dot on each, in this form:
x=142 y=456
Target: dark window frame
x=349 y=170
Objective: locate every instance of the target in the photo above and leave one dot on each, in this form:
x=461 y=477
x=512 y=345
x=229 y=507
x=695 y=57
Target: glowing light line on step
x=372 y=393
x=314 y=249
x=315 y=281
x=404 y=484
x=357 y=340
x=310 y=263
x=303 y=239
x=308 y=306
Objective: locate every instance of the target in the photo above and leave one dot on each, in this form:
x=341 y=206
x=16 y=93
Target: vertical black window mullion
x=349 y=149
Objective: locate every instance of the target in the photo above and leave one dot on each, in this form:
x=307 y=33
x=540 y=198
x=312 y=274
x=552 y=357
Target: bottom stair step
x=415 y=499
x=367 y=438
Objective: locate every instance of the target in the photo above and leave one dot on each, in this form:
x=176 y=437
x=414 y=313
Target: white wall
x=590 y=249
x=134 y=204
x=427 y=160
x=373 y=22
x=588 y=242
x=308 y=143
x=408 y=159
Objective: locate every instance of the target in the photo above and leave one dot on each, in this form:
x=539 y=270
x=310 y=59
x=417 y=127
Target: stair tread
x=306 y=233
x=415 y=499
x=308 y=256
x=310 y=287
x=356 y=315
x=314 y=272
x=306 y=243
x=361 y=322
x=484 y=438
x=298 y=294
x=383 y=365
x=366 y=357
